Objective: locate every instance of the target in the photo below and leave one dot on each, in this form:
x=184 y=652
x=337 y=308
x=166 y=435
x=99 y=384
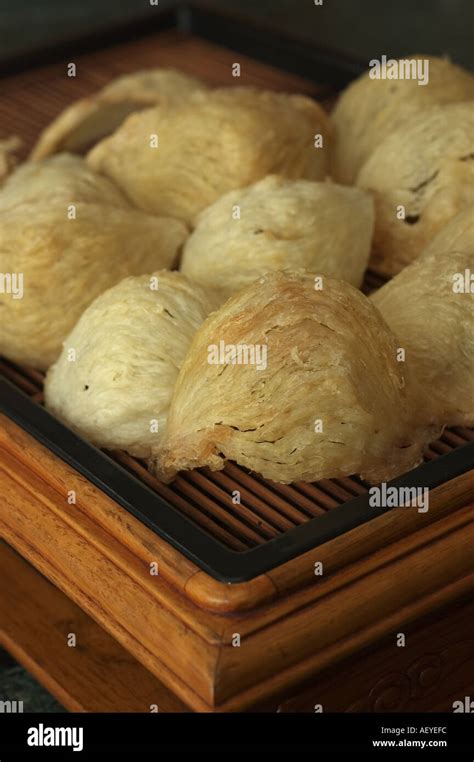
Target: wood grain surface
x=97 y=675
x=433 y=669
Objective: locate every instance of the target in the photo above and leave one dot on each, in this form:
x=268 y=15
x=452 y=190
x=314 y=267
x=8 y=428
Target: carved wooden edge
x=427 y=672
x=199 y=587
x=343 y=552
x=122 y=527
x=191 y=650
x=333 y=627
x=98 y=675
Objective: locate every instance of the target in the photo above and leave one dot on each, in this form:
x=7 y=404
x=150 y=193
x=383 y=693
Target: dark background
x=364 y=29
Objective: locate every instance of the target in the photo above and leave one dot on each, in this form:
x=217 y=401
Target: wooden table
x=304 y=640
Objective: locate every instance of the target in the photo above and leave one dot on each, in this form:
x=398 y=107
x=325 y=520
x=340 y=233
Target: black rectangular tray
x=195 y=543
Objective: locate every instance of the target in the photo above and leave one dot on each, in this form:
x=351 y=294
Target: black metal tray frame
x=205 y=551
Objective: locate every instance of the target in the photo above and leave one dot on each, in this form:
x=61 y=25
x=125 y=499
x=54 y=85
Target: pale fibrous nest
x=421 y=176
x=430 y=308
x=370 y=109
x=70 y=234
x=281 y=224
x=260 y=349
x=113 y=380
x=91 y=119
x=326 y=399
x=178 y=159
